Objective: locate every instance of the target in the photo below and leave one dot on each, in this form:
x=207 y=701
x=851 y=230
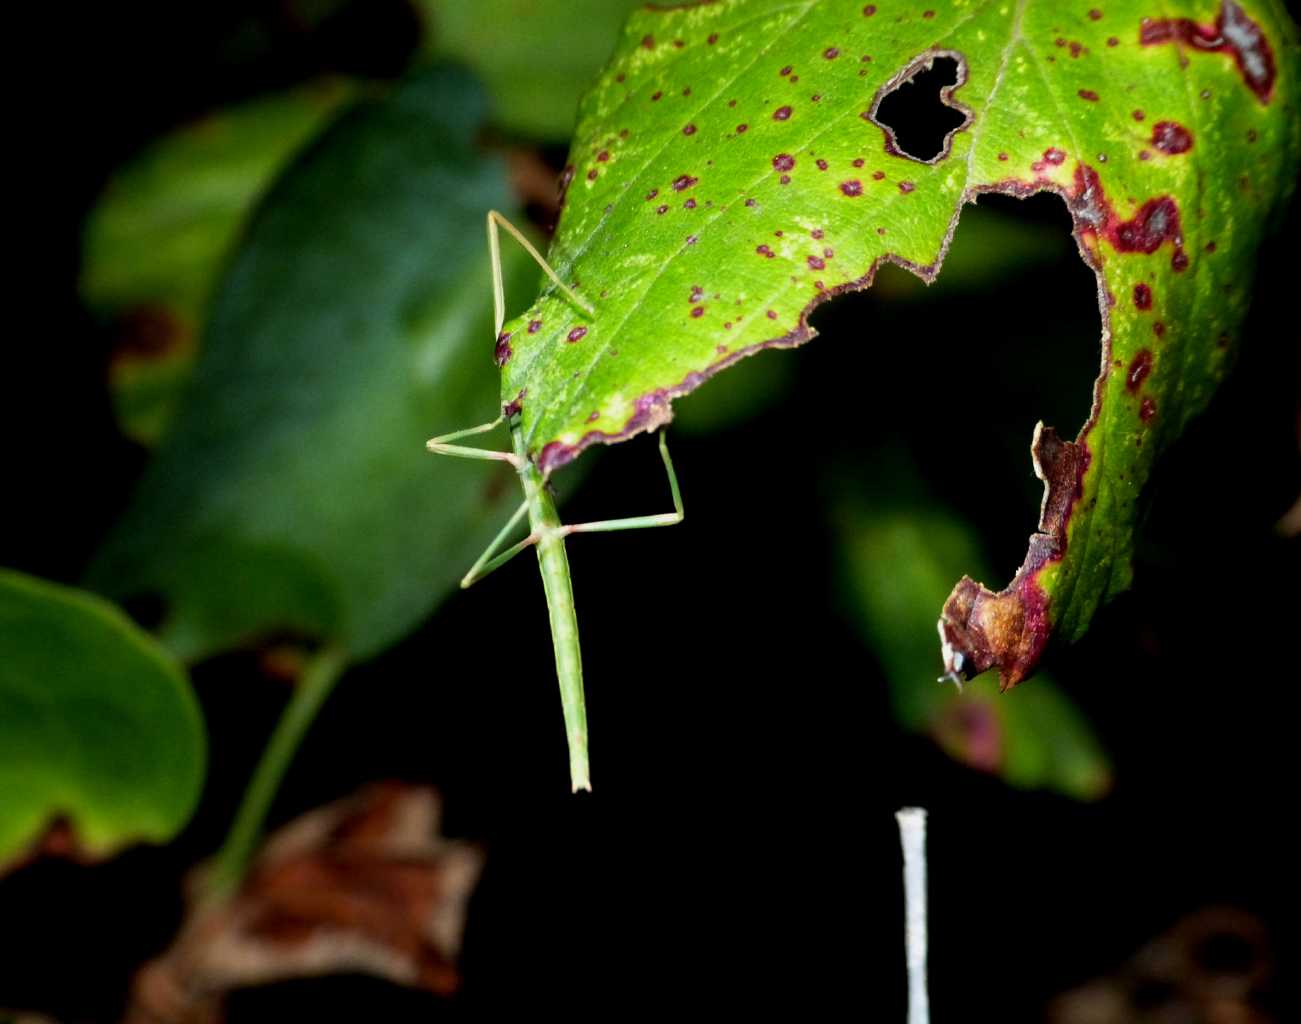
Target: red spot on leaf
x=698 y=311
x=906 y=186
x=817 y=263
x=1146 y=409
x=502 y=352
x=1155 y=223
x=1088 y=94
x=831 y=53
x=783 y=161
x=535 y=326
x=764 y=251
x=1142 y=296
x=781 y=114
x=689 y=129
x=577 y=334
x=852 y=188
x=1139 y=369
x=683 y=182
x=1171 y=137
x=1233 y=34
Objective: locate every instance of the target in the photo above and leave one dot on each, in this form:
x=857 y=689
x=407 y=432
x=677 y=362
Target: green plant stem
x=316 y=684
x=554 y=564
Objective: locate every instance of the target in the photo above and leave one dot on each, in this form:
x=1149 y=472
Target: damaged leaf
x=364 y=885
x=731 y=172
x=101 y=740
x=900 y=550
x=294 y=491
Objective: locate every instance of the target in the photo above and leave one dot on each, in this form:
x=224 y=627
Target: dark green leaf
x=295 y=490
x=160 y=235
x=98 y=726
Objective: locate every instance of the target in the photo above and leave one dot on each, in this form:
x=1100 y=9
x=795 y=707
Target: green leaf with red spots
x=730 y=172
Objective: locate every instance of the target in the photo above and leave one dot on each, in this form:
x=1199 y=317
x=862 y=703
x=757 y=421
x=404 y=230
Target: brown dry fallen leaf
x=366 y=884
x=1212 y=967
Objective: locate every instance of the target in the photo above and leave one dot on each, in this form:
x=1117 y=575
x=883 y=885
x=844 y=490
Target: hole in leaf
x=915 y=115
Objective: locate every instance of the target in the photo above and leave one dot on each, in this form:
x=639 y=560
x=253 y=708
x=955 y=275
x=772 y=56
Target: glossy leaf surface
x=98 y=726
x=729 y=173
x=295 y=491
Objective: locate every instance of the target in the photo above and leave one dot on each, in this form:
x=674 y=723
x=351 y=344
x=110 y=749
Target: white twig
x=912 y=834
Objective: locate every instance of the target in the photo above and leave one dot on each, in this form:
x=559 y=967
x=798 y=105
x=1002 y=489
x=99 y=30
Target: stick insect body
x=545 y=528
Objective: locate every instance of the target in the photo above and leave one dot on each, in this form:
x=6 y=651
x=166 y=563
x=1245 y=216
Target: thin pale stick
x=912 y=835
x=499 y=290
x=641 y=522
x=456 y=435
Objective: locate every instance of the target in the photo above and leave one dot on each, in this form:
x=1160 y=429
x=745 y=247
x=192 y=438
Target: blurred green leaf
x=98 y=726
x=295 y=491
x=158 y=239
x=899 y=556
x=537 y=57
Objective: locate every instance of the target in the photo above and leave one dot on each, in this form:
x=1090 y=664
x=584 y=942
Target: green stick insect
x=545 y=528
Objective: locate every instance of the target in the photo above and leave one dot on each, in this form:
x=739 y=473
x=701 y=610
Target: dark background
x=743 y=858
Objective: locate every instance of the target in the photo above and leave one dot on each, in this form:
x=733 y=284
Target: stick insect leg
x=440 y=445
x=498 y=289
x=641 y=522
x=486 y=562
